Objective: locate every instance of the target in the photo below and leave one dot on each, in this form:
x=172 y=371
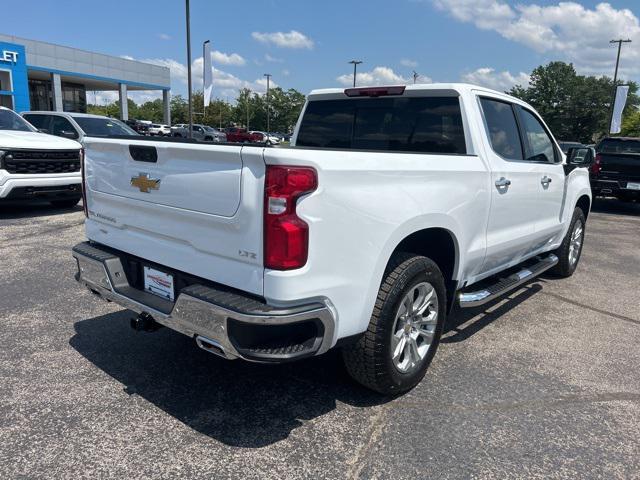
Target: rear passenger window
x=540 y=146
x=61 y=125
x=38 y=121
x=502 y=128
x=403 y=124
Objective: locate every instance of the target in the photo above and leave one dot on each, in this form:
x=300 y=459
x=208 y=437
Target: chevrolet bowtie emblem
x=144 y=183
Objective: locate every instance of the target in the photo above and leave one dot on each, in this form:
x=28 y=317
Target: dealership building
x=43 y=76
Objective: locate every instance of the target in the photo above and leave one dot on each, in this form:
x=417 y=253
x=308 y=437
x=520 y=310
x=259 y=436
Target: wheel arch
x=584 y=204
x=438 y=243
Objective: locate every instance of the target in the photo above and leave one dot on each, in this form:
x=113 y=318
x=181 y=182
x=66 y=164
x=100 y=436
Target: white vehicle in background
x=264 y=137
x=37 y=166
x=156 y=129
x=395 y=204
x=77 y=126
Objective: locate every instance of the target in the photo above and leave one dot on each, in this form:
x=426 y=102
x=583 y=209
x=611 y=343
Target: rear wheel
x=571 y=248
x=405 y=328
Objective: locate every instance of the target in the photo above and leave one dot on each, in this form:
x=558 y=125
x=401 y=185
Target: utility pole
x=615 y=77
x=190 y=133
x=268 y=75
x=415 y=76
x=355 y=64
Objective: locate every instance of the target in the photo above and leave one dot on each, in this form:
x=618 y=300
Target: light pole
x=189 y=134
x=615 y=76
x=247 y=101
x=355 y=64
x=268 y=75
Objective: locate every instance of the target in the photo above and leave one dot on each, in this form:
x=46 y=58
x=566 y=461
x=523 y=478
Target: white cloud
x=227 y=59
x=379 y=76
x=286 y=73
x=406 y=62
x=292 y=39
x=490 y=78
x=567 y=30
x=164 y=36
x=225 y=84
x=271 y=59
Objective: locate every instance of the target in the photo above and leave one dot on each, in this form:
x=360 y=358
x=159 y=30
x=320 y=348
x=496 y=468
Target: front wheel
x=405 y=328
x=571 y=247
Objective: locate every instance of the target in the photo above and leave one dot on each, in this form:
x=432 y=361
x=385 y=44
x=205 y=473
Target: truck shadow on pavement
x=616 y=207
x=238 y=403
x=31 y=210
x=463 y=323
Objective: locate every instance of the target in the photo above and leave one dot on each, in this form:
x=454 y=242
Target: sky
x=307 y=44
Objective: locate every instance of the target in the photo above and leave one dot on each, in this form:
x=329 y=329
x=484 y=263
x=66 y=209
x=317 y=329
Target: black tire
x=369 y=360
x=565 y=266
x=66 y=203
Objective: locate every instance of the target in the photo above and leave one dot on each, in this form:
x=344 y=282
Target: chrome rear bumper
x=205 y=313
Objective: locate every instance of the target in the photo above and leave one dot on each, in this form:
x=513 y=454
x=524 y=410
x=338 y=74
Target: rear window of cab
x=398 y=124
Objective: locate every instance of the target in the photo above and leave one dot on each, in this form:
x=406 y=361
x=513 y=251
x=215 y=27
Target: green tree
x=575 y=107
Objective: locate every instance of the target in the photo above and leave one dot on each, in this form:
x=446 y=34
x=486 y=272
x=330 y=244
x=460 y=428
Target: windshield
x=9 y=120
x=616 y=145
x=103 y=127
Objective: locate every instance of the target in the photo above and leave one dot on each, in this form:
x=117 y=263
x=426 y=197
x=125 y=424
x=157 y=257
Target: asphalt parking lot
x=543 y=384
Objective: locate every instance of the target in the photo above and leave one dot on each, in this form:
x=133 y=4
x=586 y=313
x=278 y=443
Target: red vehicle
x=239 y=135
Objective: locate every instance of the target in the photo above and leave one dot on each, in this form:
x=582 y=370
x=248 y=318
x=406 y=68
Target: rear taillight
x=596 y=167
x=286 y=236
x=84 y=184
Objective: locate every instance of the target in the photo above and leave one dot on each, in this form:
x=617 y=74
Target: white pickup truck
x=37 y=166
x=392 y=205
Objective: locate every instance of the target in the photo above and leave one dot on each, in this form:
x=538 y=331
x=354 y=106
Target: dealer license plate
x=158 y=283
x=633 y=186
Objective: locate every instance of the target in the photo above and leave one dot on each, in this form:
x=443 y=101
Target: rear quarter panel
x=365 y=205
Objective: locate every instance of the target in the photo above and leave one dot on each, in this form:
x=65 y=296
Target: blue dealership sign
x=16 y=84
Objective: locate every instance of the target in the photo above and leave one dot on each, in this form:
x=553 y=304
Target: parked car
x=201 y=132
x=358 y=238
x=77 y=126
x=37 y=166
x=566 y=145
x=616 y=170
x=263 y=137
x=160 y=130
x=139 y=126
x=237 y=135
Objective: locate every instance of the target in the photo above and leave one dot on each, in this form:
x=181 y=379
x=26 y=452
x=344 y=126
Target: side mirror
x=580 y=156
x=69 y=134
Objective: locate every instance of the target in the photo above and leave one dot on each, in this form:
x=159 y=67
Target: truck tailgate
x=189 y=206
x=623 y=166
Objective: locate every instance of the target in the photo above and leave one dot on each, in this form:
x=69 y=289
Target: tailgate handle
x=143 y=153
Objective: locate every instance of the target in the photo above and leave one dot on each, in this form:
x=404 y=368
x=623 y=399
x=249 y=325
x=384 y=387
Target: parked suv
x=160 y=130
x=37 y=166
x=200 y=132
x=77 y=126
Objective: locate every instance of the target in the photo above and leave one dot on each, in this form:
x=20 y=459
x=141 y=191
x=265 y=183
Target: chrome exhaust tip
x=211 y=346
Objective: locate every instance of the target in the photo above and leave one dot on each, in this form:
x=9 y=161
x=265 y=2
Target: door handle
x=503 y=182
x=545 y=181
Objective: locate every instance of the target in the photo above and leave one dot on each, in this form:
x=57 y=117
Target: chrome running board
x=504 y=285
